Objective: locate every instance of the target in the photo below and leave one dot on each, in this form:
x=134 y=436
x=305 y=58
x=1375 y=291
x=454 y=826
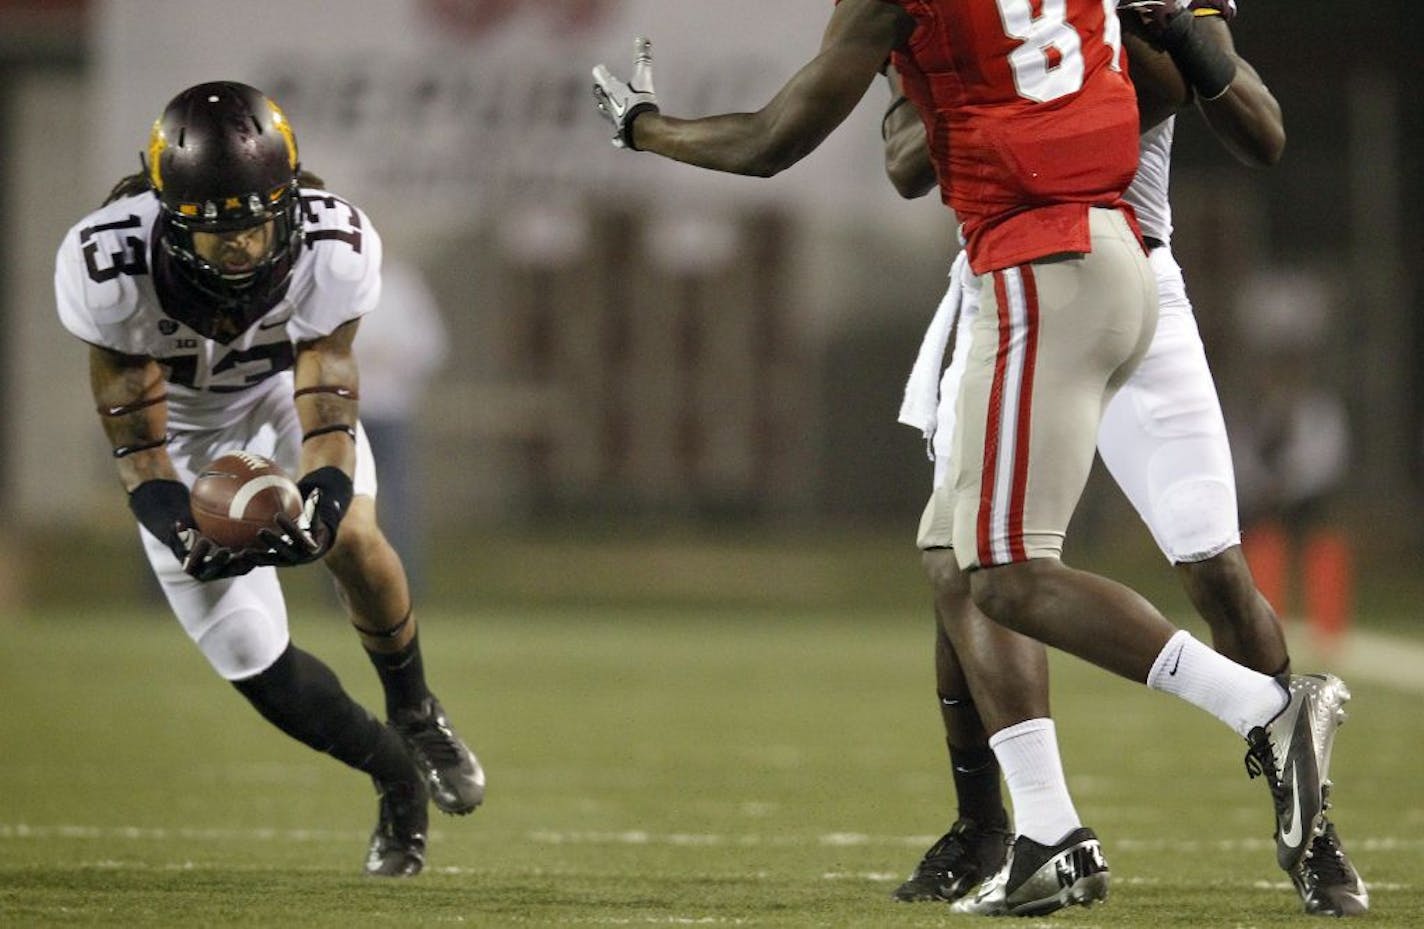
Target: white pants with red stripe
x=1053 y=342
x=1162 y=435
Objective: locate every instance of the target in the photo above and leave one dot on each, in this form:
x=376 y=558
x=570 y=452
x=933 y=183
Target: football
x=238 y=495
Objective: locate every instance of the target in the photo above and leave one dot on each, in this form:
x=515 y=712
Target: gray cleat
x=452 y=772
x=1292 y=751
x=1038 y=879
x=1327 y=881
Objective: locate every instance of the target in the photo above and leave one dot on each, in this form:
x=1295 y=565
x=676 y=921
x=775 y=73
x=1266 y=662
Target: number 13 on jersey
x=1048 y=64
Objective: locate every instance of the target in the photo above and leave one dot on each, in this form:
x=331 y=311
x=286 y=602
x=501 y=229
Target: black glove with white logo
x=326 y=496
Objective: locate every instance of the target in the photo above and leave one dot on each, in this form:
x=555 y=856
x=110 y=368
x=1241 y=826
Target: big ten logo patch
x=475 y=17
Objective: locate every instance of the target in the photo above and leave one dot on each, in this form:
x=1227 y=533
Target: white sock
x=1028 y=755
x=1236 y=695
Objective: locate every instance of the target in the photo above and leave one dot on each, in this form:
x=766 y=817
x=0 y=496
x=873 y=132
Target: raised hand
x=624 y=102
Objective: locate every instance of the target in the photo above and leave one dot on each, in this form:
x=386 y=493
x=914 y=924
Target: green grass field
x=648 y=767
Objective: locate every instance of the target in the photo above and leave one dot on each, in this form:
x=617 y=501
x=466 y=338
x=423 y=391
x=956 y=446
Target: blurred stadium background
x=671 y=393
x=638 y=346
x=632 y=342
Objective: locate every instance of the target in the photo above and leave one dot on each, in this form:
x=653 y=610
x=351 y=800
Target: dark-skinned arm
x=907 y=154
x=1235 y=102
x=1246 y=118
x=1161 y=91
x=817 y=99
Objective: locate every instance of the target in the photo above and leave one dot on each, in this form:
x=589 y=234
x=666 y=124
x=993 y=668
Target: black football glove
x=326 y=496
x=209 y=561
x=162 y=508
x=1171 y=25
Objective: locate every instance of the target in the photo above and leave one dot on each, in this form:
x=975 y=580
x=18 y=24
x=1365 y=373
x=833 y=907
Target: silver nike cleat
x=1039 y=879
x=1293 y=751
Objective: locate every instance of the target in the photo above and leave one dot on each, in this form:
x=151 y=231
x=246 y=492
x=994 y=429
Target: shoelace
x=1261 y=761
x=1326 y=861
x=435 y=739
x=956 y=848
x=946 y=854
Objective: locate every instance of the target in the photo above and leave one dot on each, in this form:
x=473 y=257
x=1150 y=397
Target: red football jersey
x=1031 y=118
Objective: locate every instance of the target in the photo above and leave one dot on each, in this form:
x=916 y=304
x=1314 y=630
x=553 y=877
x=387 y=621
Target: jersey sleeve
x=94 y=302
x=345 y=251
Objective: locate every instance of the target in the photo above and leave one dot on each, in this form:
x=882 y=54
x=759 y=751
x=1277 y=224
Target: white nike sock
x=1236 y=695
x=1028 y=755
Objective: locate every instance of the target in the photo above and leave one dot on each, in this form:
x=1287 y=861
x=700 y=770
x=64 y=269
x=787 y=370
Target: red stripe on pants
x=992 y=418
x=1025 y=423
x=1026 y=340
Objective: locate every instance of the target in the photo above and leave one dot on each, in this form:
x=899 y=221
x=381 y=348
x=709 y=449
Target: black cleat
x=1327 y=881
x=1039 y=879
x=451 y=771
x=962 y=857
x=398 y=845
x=1292 y=751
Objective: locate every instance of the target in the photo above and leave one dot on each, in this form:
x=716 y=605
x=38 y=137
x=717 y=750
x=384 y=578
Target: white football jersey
x=1147 y=194
x=106 y=296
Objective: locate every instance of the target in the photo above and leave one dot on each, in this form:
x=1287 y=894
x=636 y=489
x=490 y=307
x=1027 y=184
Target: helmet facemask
x=205 y=269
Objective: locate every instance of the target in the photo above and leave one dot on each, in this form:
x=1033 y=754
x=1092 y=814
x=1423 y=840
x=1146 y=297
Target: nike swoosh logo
x=275 y=323
x=1295 y=832
x=1176 y=664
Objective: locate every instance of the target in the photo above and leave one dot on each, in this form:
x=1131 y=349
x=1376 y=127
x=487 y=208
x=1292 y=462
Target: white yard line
x=25 y=831
x=1378 y=658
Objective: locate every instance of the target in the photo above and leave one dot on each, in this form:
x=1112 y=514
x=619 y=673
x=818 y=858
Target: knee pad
x=1197 y=519
x=243 y=643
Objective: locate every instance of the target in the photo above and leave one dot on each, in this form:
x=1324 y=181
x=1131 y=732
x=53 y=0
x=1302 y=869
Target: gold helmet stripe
x=279 y=122
x=157 y=143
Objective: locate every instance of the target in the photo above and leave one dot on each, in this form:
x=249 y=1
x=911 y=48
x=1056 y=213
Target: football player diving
x=219 y=291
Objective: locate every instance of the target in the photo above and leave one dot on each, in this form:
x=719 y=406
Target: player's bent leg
x=1243 y=626
x=240 y=624
x=373 y=583
x=301 y=696
x=1092 y=617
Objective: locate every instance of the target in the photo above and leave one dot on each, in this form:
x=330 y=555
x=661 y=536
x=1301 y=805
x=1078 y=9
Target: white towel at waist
x=920 y=407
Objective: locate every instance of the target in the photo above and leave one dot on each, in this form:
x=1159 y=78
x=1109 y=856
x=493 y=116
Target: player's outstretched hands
x=624 y=102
